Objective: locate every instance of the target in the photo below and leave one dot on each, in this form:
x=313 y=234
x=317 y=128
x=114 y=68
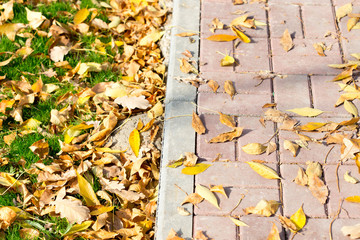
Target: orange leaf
x=221 y=38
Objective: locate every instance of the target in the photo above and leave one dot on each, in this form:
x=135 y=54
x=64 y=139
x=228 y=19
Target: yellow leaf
x=228 y=136
x=356 y=55
x=156 y=111
x=10 y=29
x=134 y=140
x=102 y=210
x=197 y=124
x=264 y=208
x=151 y=38
x=186 y=34
x=73 y=131
x=299 y=219
x=81 y=16
x=254 y=148
x=207 y=195
x=350 y=179
x=198 y=168
x=306 y=111
x=292 y=147
x=320 y=48
x=287 y=223
x=343 y=11
x=351 y=23
x=259 y=23
x=213 y=85
x=229 y=88
x=354 y=199
x=30 y=124
x=274 y=233
x=264 y=170
x=79 y=227
x=286 y=41
x=241 y=35
x=238 y=222
x=227 y=61
x=351 y=108
x=219 y=189
x=221 y=38
x=311 y=126
x=227 y=120
x=86 y=191
x=182 y=211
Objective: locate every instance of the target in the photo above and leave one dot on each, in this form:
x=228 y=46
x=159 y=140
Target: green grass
x=7 y=198
x=40 y=110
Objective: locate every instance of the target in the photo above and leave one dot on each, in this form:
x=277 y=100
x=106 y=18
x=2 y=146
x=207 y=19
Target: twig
x=336 y=216
x=328 y=154
x=12 y=184
x=181 y=189
x=277 y=131
x=204 y=108
x=186 y=115
x=337 y=176
x=242 y=197
x=293 y=235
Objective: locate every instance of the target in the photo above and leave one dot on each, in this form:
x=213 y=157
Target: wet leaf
x=219 y=189
x=228 y=136
x=292 y=147
x=263 y=170
x=351 y=108
x=227 y=120
x=221 y=38
x=349 y=178
x=197 y=124
x=193 y=198
x=81 y=16
x=306 y=111
x=238 y=222
x=299 y=219
x=264 y=208
x=286 y=41
x=227 y=61
x=86 y=191
x=274 y=233
x=198 y=168
x=207 y=195
x=213 y=85
x=354 y=199
x=229 y=88
x=254 y=148
x=343 y=11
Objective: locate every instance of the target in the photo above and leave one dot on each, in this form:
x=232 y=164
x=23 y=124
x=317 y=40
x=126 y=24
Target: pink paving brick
x=352 y=46
x=243 y=83
x=302 y=2
x=210 y=150
x=350 y=210
x=284 y=16
x=339 y=3
x=234 y=174
x=259 y=227
x=241 y=104
x=339 y=223
x=219 y=228
x=317 y=20
x=206 y=24
x=295 y=195
x=317 y=229
x=209 y=59
x=252 y=197
x=291 y=92
x=353 y=35
x=252 y=57
x=254 y=132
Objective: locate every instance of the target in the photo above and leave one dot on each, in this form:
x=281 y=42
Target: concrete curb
x=178 y=137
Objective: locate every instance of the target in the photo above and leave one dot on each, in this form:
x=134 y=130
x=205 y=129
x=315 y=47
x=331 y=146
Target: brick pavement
x=306 y=85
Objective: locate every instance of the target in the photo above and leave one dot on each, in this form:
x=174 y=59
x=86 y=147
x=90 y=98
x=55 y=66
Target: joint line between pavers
x=337 y=31
x=302 y=21
x=269 y=38
x=311 y=96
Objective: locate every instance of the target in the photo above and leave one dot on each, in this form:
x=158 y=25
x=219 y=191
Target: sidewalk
x=307 y=84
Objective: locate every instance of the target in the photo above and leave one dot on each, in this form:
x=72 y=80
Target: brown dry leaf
x=350 y=147
x=274 y=233
x=191 y=159
x=227 y=120
x=347 y=73
x=263 y=170
x=292 y=147
x=213 y=85
x=197 y=124
x=301 y=178
x=222 y=38
x=254 y=148
x=352 y=231
x=264 y=208
x=29 y=233
x=156 y=111
x=229 y=88
x=219 y=189
x=58 y=53
x=7 y=217
x=287 y=223
x=11 y=29
x=314 y=168
x=182 y=211
x=320 y=48
x=133 y=102
x=336 y=138
x=228 y=136
x=199 y=235
x=207 y=195
x=193 y=198
x=173 y=236
x=186 y=34
x=286 y=41
x=318 y=189
x=186 y=67
x=216 y=24
x=73 y=211
x=269 y=105
x=8 y=13
x=271 y=147
x=8 y=139
x=40 y=148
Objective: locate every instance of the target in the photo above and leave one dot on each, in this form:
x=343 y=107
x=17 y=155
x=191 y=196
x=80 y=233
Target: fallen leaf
x=314 y=168
x=311 y=126
x=238 y=222
x=228 y=136
x=134 y=140
x=40 y=148
x=292 y=147
x=199 y=235
x=318 y=189
x=242 y=36
x=197 y=124
x=219 y=189
x=11 y=29
x=352 y=22
x=173 y=236
x=8 y=13
x=271 y=147
x=227 y=120
x=193 y=198
x=351 y=108
x=186 y=34
x=306 y=111
x=286 y=41
x=81 y=16
x=8 y=139
x=351 y=147
x=349 y=178
x=238 y=2
x=29 y=233
x=186 y=67
x=35 y=18
x=198 y=168
x=207 y=195
x=229 y=88
x=86 y=191
x=190 y=159
x=343 y=11
x=216 y=24
x=299 y=219
x=263 y=170
x=227 y=61
x=79 y=227
x=73 y=211
x=254 y=148
x=7 y=217
x=264 y=208
x=354 y=199
x=269 y=105
x=221 y=38
x=58 y=53
x=320 y=48
x=133 y=102
x=213 y=85
x=356 y=55
x=274 y=233
x=182 y=211
x=352 y=231
x=287 y=223
x=156 y=111
x=301 y=178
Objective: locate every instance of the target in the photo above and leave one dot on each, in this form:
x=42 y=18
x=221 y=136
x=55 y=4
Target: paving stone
x=351 y=210
x=211 y=9
x=303 y=58
x=236 y=175
x=252 y=197
x=339 y=3
x=339 y=223
x=295 y=195
x=353 y=35
x=241 y=104
x=252 y=57
x=219 y=228
x=284 y=16
x=291 y=92
x=243 y=83
x=259 y=227
x=209 y=59
x=302 y=2
x=317 y=20
x=316 y=229
x=351 y=46
x=254 y=132
x=210 y=150
x=205 y=28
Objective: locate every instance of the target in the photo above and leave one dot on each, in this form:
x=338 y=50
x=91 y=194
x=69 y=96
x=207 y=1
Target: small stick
x=336 y=216
x=277 y=131
x=242 y=197
x=204 y=108
x=12 y=184
x=181 y=189
x=337 y=176
x=328 y=154
x=186 y=115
